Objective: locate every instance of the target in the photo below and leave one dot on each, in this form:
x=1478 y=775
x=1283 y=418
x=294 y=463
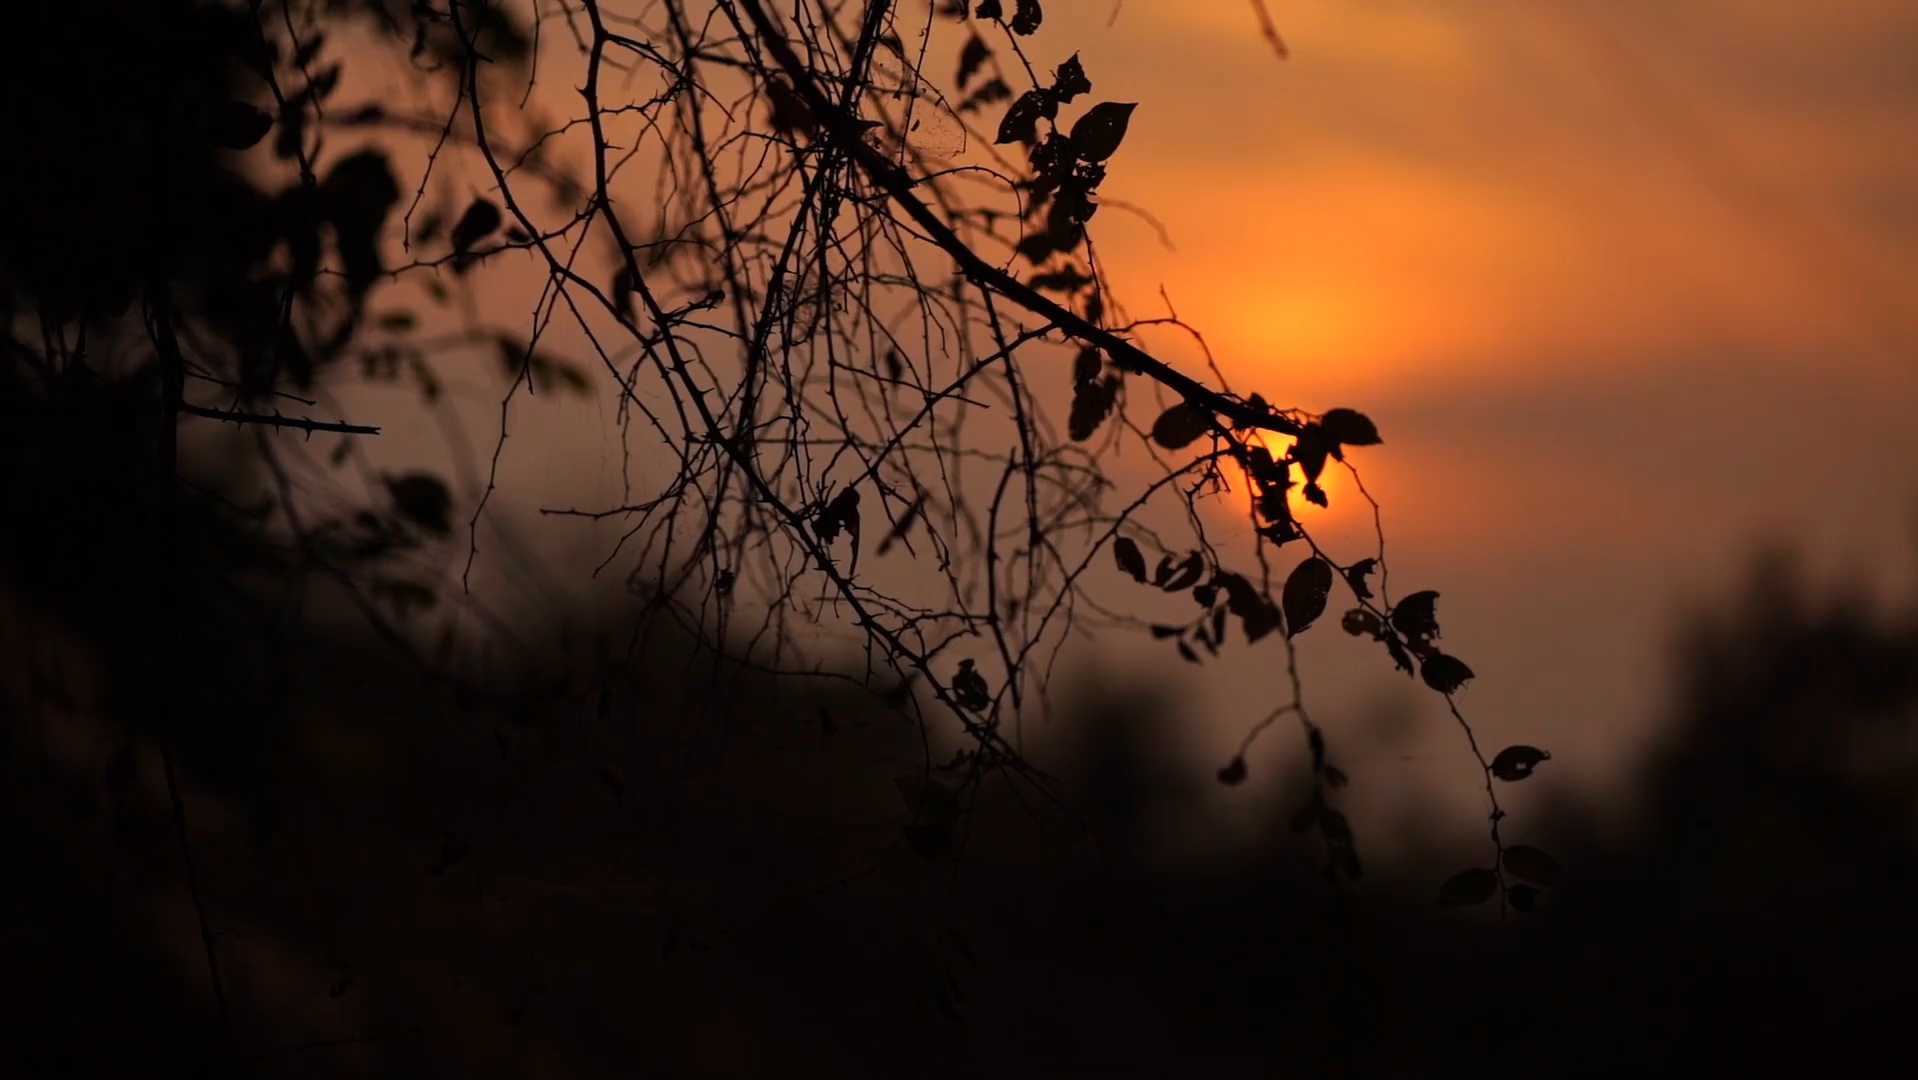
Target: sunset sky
x=1628 y=289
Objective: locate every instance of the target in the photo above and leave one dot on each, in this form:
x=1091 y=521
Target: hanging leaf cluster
x=1066 y=167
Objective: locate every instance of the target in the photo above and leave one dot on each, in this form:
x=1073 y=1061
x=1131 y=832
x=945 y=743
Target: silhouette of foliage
x=810 y=317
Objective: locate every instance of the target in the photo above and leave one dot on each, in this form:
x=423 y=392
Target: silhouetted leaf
x=1179 y=426
x=1355 y=577
x=1186 y=653
x=1522 y=898
x=308 y=49
x=398 y=321
x=1309 y=450
x=1021 y=122
x=970 y=688
x=1399 y=655
x=1416 y=616
x=1190 y=571
x=1130 y=560
x=1535 y=866
x=1468 y=887
x=236 y=125
x=1515 y=763
x=1303 y=599
x=1026 y=17
x=1070 y=80
x=971 y=58
x=790 y=115
x=1097 y=134
x=989 y=9
x=1359 y=622
x=1161 y=631
x=1091 y=403
x=991 y=91
x=929 y=801
x=423 y=498
x=1349 y=428
x=1234 y=771
x=1315 y=495
x=1163 y=572
x=1086 y=366
x=476 y=224
x=1444 y=673
x=1066 y=279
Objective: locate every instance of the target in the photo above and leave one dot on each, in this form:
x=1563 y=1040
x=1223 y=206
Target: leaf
x=929 y=801
x=1467 y=888
x=476 y=224
x=1021 y=122
x=1091 y=404
x=236 y=125
x=970 y=688
x=1086 y=366
x=1535 y=866
x=308 y=49
x=1026 y=17
x=1310 y=450
x=1097 y=134
x=1234 y=772
x=1522 y=898
x=423 y=498
x=1164 y=571
x=398 y=321
x=1129 y=558
x=1349 y=428
x=1359 y=622
x=1444 y=673
x=1399 y=656
x=1515 y=763
x=990 y=91
x=1303 y=599
x=1186 y=652
x=1315 y=495
x=1190 y=571
x=1067 y=279
x=1070 y=80
x=971 y=58
x=989 y=9
x=1355 y=577
x=1416 y=616
x=1179 y=426
x=1161 y=632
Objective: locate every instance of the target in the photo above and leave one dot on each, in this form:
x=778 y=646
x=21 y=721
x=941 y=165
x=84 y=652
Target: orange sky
x=1625 y=286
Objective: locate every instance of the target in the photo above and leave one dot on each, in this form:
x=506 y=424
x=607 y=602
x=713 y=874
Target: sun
x=1341 y=491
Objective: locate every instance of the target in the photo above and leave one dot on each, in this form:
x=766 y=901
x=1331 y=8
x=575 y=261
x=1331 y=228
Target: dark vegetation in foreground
x=560 y=865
